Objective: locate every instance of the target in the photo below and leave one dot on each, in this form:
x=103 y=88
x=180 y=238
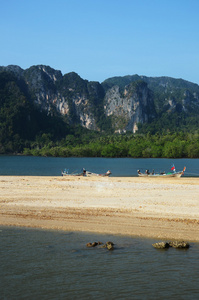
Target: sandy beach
x=146 y=207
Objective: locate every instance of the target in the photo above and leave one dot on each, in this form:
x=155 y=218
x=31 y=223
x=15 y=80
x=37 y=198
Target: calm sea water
x=37 y=264
x=52 y=166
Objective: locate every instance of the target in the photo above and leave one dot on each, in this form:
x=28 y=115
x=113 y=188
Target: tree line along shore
x=176 y=145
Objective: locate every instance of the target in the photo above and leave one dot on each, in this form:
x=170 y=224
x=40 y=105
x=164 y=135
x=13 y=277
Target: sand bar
x=148 y=207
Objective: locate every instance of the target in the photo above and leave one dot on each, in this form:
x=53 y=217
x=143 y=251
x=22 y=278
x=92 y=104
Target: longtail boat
x=173 y=173
x=84 y=173
x=90 y=174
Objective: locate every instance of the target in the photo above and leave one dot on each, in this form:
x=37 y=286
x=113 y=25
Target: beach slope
x=159 y=208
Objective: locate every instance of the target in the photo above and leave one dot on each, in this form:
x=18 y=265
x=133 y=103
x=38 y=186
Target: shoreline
x=158 y=208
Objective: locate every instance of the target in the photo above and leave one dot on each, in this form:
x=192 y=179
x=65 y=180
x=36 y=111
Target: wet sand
x=147 y=207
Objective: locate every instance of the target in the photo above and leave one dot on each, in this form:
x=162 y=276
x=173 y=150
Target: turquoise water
x=52 y=166
x=37 y=264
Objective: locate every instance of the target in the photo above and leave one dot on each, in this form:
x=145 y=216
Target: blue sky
x=99 y=39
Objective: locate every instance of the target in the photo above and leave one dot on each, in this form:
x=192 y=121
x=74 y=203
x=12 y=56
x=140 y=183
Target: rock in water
x=161 y=245
x=179 y=245
x=109 y=245
x=94 y=244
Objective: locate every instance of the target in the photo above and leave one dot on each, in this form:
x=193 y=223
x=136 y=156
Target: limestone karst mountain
x=119 y=104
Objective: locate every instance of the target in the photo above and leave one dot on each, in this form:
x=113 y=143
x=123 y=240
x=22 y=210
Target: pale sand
x=147 y=207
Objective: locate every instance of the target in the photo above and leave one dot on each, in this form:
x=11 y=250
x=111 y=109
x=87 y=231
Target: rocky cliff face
x=69 y=94
x=123 y=102
x=41 y=82
x=169 y=94
x=128 y=108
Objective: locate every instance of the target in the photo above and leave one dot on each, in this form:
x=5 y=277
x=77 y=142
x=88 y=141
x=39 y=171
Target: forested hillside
x=43 y=112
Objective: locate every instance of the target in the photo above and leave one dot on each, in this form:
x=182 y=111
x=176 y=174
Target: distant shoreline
x=145 y=207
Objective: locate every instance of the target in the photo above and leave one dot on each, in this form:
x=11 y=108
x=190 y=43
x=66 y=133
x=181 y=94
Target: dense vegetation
x=176 y=145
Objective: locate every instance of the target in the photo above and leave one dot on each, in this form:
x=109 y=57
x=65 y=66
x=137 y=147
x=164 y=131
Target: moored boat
x=90 y=174
x=66 y=173
x=85 y=173
x=162 y=174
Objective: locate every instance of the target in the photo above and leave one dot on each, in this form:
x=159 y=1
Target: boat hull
x=68 y=174
x=161 y=175
x=90 y=174
x=87 y=174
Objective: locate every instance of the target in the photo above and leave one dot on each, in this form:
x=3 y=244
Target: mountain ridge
x=120 y=103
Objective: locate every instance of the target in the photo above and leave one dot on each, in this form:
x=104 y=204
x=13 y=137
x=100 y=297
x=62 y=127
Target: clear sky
x=99 y=39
